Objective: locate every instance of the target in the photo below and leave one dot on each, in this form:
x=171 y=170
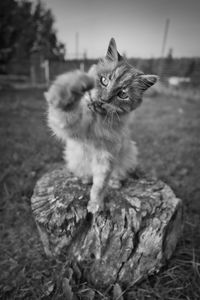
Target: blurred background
x=41 y=39
x=38 y=41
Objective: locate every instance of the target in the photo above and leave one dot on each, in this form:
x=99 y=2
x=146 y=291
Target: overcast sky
x=137 y=25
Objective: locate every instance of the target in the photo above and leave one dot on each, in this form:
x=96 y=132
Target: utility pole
x=164 y=42
x=165 y=37
x=77 y=45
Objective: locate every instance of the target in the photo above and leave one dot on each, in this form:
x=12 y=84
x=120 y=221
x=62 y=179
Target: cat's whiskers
x=106 y=117
x=115 y=113
x=117 y=116
x=90 y=96
x=111 y=117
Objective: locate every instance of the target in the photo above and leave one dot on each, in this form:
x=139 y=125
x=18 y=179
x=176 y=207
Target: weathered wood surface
x=132 y=238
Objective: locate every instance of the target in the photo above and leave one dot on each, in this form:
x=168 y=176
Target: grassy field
x=167 y=130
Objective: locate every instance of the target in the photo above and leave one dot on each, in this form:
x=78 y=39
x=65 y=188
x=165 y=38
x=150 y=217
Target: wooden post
x=133 y=237
x=45 y=66
x=36 y=69
x=82 y=66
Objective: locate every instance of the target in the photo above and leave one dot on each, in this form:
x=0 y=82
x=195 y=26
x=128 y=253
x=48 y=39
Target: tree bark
x=133 y=237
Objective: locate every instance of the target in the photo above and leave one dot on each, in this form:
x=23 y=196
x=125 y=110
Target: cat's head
x=119 y=86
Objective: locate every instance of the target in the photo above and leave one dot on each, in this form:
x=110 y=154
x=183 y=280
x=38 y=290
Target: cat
x=91 y=113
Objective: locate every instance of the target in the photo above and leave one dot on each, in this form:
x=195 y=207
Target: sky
x=137 y=26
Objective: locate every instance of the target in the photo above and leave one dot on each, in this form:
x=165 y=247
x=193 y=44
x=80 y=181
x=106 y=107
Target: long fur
x=91 y=112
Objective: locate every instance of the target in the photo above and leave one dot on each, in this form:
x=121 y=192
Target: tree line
x=167 y=67
x=25 y=26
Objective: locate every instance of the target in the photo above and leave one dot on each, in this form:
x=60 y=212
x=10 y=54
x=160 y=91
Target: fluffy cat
x=91 y=112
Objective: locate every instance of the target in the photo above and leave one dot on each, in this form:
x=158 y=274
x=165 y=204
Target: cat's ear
x=112 y=53
x=146 y=81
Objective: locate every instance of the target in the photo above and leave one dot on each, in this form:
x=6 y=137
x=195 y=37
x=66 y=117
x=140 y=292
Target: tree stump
x=133 y=237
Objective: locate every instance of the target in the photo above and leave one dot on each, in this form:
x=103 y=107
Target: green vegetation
x=25 y=26
x=167 y=132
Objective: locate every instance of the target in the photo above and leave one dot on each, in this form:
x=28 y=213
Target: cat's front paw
x=94 y=207
x=81 y=82
x=115 y=183
x=68 y=89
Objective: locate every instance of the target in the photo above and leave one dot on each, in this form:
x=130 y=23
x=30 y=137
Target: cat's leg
x=102 y=168
x=78 y=158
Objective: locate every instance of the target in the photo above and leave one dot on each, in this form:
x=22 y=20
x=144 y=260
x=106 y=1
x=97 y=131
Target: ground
x=166 y=130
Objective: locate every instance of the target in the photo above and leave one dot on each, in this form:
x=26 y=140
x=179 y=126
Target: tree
x=8 y=31
x=46 y=38
x=23 y=27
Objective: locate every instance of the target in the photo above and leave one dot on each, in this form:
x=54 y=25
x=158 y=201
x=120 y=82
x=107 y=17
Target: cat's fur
x=91 y=112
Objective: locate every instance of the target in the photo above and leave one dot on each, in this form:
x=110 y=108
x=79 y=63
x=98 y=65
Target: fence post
x=37 y=73
x=45 y=66
x=82 y=66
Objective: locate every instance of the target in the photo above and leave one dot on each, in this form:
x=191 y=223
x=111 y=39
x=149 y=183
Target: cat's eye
x=122 y=94
x=104 y=80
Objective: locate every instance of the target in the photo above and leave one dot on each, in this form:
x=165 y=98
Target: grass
x=167 y=132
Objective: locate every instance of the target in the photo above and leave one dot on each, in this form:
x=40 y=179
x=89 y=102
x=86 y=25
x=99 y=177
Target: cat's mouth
x=97 y=106
x=94 y=105
x=103 y=107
